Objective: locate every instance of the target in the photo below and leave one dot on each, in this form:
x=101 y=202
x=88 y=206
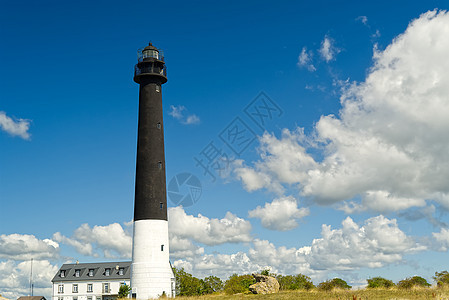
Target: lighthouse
x=151 y=273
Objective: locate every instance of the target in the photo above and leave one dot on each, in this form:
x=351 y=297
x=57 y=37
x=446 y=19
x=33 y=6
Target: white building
x=90 y=281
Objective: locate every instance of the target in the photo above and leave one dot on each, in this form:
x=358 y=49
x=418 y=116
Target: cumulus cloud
x=183 y=247
x=81 y=247
x=281 y=214
x=221 y=265
x=385 y=150
x=328 y=49
x=181 y=114
x=25 y=246
x=115 y=241
x=283 y=160
x=111 y=240
x=15 y=278
x=305 y=60
x=376 y=243
x=442 y=239
x=18 y=127
x=230 y=229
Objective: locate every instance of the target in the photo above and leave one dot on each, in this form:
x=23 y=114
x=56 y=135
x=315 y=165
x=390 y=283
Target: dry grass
x=365 y=294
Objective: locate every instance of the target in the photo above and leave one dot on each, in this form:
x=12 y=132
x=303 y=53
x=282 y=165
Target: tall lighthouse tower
x=151 y=273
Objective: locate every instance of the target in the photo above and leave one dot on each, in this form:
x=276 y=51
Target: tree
x=238 y=284
x=212 y=284
x=295 y=282
x=334 y=283
x=441 y=278
x=123 y=291
x=379 y=282
x=412 y=282
x=186 y=284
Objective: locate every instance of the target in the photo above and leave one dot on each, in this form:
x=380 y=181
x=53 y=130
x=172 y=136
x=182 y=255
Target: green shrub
x=295 y=282
x=265 y=272
x=415 y=281
x=334 y=283
x=441 y=278
x=379 y=282
x=238 y=284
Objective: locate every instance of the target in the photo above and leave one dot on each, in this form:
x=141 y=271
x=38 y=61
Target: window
x=89 y=298
x=90 y=288
x=162 y=247
x=107 y=271
x=75 y=298
x=62 y=274
x=60 y=298
x=91 y=272
x=158 y=125
x=106 y=288
x=161 y=205
x=60 y=288
x=159 y=164
x=158 y=89
x=77 y=273
x=75 y=288
x=120 y=271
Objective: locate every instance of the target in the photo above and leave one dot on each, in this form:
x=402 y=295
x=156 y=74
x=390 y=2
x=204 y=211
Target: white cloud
x=17 y=127
x=363 y=19
x=377 y=243
x=328 y=50
x=114 y=241
x=305 y=60
x=442 y=239
x=281 y=214
x=14 y=278
x=25 y=246
x=230 y=229
x=111 y=240
x=386 y=146
x=81 y=247
x=192 y=119
x=180 y=113
x=176 y=111
x=383 y=202
x=282 y=161
x=183 y=247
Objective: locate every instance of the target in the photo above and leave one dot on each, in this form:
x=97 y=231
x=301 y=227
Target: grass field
x=391 y=294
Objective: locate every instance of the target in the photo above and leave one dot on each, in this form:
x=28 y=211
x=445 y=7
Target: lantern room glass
x=150 y=53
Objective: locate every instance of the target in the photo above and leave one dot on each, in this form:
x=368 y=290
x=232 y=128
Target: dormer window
x=91 y=273
x=62 y=274
x=120 y=271
x=77 y=273
x=107 y=272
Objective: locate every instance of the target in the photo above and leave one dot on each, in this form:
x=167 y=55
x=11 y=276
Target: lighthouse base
x=151 y=273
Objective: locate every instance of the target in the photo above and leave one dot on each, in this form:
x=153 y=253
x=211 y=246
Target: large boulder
x=264 y=284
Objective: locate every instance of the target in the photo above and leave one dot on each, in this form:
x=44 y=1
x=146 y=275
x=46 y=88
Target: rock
x=264 y=285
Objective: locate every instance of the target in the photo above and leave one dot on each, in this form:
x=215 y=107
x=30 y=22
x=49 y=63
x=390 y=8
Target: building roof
x=31 y=298
x=68 y=272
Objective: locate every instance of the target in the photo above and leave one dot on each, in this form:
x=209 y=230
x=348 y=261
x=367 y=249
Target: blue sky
x=354 y=153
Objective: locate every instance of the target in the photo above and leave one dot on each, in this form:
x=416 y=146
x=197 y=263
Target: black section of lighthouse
x=150 y=198
x=151 y=272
